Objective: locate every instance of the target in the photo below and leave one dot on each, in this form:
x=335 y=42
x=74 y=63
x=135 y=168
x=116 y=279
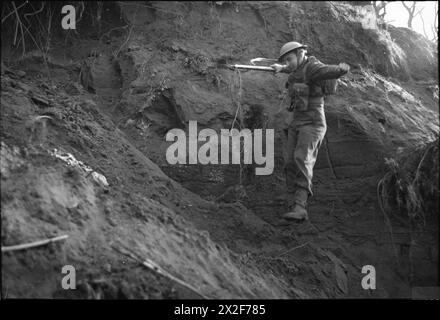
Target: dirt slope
x=216 y=229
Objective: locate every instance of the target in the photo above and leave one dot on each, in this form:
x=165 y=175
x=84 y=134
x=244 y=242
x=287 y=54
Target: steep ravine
x=215 y=229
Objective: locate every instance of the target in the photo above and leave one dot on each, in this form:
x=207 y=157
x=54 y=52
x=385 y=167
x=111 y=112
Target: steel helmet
x=290 y=46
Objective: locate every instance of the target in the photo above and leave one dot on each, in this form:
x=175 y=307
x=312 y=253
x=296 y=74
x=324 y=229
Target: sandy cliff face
x=216 y=229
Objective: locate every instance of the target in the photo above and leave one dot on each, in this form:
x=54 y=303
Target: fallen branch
x=156 y=268
x=33 y=244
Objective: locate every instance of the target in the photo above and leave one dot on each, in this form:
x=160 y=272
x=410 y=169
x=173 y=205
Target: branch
x=418 y=12
x=38 y=19
x=434 y=27
x=13 y=11
x=21 y=26
x=436 y=19
x=423 y=25
x=378 y=6
x=33 y=244
x=34 y=13
x=406 y=7
x=150 y=264
x=382 y=5
x=411 y=11
x=384 y=11
x=82 y=11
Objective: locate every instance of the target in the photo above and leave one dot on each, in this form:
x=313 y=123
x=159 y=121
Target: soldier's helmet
x=289 y=47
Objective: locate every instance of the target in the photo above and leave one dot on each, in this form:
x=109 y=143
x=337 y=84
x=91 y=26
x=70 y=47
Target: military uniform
x=307 y=127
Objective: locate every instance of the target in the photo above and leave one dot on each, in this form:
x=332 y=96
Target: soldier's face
x=291 y=60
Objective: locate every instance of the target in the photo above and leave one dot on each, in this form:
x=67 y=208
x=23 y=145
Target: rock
x=100 y=179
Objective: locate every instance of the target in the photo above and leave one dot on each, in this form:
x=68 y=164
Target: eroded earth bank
x=83 y=128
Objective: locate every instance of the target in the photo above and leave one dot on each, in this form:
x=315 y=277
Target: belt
x=316 y=100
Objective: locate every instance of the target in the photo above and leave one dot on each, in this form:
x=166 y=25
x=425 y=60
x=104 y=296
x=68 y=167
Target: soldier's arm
x=281 y=68
x=286 y=69
x=320 y=71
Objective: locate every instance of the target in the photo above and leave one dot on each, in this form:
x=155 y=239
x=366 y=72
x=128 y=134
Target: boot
x=298 y=213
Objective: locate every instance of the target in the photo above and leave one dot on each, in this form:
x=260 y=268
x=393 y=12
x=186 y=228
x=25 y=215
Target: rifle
x=251 y=67
x=247 y=67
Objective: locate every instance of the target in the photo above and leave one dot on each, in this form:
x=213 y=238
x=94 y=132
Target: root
x=37 y=128
x=408 y=196
x=236 y=101
x=292 y=249
x=388 y=221
x=329 y=160
x=115 y=55
x=19 y=23
x=416 y=177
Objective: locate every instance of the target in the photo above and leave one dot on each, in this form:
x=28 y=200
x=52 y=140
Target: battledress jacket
x=313 y=72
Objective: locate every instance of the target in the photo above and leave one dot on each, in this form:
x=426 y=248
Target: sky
x=397 y=15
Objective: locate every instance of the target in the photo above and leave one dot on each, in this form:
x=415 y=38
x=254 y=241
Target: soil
x=208 y=231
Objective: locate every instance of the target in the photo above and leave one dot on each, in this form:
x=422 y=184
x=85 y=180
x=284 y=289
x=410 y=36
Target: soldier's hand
x=344 y=66
x=277 y=67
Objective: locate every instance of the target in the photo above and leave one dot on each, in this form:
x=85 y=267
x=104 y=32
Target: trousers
x=304 y=138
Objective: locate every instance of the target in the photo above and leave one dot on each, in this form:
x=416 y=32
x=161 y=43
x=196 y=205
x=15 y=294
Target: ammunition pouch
x=302 y=95
x=299 y=96
x=302 y=92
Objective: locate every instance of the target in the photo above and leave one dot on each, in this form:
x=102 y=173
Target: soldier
x=306 y=86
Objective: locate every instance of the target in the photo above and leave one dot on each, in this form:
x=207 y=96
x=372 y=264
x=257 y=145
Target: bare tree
x=378 y=6
x=435 y=25
x=423 y=25
x=411 y=8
